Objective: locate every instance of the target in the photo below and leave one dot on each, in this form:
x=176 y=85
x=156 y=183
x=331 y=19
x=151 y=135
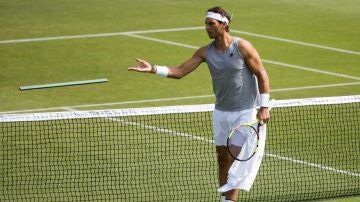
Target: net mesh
x=167 y=154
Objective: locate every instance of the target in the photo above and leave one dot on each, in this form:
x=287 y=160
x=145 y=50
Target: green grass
x=318 y=22
x=332 y=23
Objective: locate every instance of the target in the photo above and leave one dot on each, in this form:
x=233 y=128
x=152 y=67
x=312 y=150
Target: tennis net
x=167 y=154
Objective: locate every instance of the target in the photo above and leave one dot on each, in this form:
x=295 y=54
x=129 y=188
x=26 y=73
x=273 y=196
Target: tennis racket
x=243 y=140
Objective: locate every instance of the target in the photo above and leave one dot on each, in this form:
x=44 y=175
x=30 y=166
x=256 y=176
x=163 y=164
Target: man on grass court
x=241 y=87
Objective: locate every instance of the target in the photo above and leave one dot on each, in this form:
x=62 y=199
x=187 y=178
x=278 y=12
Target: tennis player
x=240 y=85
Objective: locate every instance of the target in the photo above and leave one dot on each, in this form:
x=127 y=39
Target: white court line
x=83 y=36
x=169 y=99
x=194 y=137
x=296 y=42
x=174 y=30
x=264 y=60
x=162 y=41
x=310 y=69
x=162 y=130
x=314 y=165
x=197 y=138
x=108 y=104
x=315 y=87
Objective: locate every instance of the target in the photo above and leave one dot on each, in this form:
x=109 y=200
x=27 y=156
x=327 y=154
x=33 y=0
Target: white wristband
x=162 y=71
x=264 y=100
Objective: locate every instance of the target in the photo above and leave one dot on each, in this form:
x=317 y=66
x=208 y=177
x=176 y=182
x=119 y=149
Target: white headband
x=217 y=16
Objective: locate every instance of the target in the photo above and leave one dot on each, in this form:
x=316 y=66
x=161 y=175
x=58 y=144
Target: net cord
x=165 y=109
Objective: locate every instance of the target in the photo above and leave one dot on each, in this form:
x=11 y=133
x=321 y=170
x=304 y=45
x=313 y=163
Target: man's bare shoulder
x=202 y=52
x=245 y=47
x=244 y=44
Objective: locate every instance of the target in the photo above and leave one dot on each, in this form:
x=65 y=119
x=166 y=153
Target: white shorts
x=241 y=175
x=225 y=121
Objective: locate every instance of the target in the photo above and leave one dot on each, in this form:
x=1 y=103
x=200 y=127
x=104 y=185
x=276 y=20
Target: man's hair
x=221 y=11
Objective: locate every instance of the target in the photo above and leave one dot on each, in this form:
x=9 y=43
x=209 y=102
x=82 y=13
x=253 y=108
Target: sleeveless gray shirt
x=234 y=85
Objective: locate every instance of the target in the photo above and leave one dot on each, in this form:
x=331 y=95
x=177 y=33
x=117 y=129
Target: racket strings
x=243 y=142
